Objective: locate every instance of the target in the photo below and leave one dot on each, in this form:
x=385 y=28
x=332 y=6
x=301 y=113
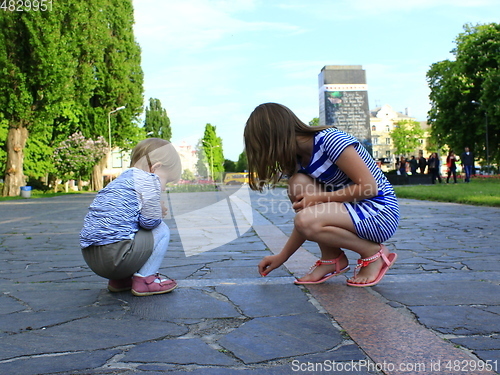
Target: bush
x=37 y=185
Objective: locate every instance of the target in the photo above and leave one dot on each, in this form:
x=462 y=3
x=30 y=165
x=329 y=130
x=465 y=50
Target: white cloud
x=191 y=25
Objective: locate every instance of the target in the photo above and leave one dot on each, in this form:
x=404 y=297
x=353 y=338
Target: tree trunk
x=96 y=183
x=14 y=175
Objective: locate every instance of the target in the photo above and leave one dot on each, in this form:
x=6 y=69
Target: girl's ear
x=154 y=167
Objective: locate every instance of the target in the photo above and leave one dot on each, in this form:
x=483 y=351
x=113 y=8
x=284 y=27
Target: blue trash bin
x=26 y=191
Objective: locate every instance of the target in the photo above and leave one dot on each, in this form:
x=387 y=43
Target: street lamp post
x=110 y=166
x=475 y=102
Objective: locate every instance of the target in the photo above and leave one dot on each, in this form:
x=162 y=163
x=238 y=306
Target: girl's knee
x=300 y=183
x=161 y=231
x=304 y=225
x=300 y=179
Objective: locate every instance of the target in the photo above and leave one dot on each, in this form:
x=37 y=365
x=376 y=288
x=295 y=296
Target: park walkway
x=437 y=310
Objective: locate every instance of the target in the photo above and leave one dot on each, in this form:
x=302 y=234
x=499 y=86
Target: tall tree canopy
x=157 y=123
x=63 y=71
x=474 y=76
x=35 y=77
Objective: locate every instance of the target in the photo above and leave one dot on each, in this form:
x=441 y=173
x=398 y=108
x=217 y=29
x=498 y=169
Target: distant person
x=434 y=164
x=467 y=161
x=413 y=165
x=451 y=164
x=402 y=166
x=422 y=163
x=342 y=200
x=124 y=238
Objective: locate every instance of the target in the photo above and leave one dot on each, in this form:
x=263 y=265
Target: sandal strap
x=320 y=262
x=363 y=262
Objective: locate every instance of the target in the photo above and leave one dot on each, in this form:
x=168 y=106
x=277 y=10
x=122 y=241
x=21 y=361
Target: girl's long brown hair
x=271 y=144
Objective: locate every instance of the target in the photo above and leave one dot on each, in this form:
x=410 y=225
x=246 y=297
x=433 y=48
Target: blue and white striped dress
x=376 y=219
x=125 y=205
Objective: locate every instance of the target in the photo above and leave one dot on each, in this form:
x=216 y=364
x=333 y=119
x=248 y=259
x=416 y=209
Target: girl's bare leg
x=327 y=253
x=331 y=226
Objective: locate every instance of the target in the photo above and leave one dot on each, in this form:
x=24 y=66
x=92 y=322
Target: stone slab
x=91 y=333
x=180 y=352
x=458 y=320
x=181 y=304
x=50 y=364
x=442 y=293
x=259 y=300
x=271 y=338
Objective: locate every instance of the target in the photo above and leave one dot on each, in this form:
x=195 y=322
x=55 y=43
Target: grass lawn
x=41 y=194
x=191 y=188
x=479 y=192
x=187 y=188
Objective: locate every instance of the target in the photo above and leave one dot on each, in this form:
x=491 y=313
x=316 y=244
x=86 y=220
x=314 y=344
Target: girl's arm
x=272 y=262
x=149 y=191
x=364 y=185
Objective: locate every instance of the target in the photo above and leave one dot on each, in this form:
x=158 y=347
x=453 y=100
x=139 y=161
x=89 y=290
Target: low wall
x=418 y=179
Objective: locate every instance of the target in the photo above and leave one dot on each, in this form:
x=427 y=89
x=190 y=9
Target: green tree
x=117 y=78
x=473 y=76
x=229 y=166
x=157 y=123
x=4 y=129
x=242 y=164
x=64 y=71
x=212 y=147
x=38 y=161
x=314 y=122
x=406 y=136
x=187 y=175
x=201 y=163
x=37 y=71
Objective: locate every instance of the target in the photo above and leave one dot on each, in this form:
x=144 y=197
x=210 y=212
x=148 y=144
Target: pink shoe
x=154 y=284
x=120 y=285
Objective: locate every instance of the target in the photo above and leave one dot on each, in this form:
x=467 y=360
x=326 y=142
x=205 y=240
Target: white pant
x=161 y=236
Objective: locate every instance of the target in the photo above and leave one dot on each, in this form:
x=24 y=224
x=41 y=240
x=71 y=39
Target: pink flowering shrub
x=76 y=156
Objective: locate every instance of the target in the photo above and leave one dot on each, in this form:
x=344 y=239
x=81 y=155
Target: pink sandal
x=388 y=259
x=320 y=262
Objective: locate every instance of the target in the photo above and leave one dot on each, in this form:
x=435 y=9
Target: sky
x=214 y=61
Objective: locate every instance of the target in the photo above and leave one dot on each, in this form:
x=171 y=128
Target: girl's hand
x=305 y=200
x=269 y=263
x=164 y=209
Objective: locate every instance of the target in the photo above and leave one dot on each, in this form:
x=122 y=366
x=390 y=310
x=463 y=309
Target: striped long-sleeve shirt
x=130 y=202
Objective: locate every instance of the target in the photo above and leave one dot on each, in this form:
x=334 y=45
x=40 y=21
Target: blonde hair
x=151 y=151
x=271 y=143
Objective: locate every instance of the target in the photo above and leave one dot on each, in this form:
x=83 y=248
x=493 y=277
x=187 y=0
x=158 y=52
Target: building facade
x=382 y=121
x=188 y=156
